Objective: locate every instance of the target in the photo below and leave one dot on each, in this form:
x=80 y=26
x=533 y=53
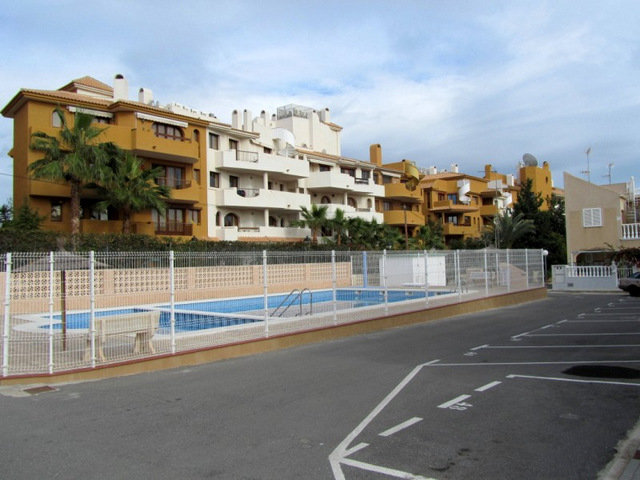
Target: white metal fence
x=64 y=311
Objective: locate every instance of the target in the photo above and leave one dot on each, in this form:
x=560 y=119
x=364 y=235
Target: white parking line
x=384 y=470
x=487 y=386
x=401 y=426
x=572 y=380
x=451 y=403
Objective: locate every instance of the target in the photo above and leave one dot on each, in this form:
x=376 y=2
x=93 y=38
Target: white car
x=631 y=284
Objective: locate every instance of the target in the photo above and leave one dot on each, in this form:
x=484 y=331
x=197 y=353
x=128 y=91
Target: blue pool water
x=200 y=315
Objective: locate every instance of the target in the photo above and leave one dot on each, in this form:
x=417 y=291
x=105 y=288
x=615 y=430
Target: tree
x=130 y=188
x=6 y=212
x=529 y=202
x=508 y=228
x=25 y=219
x=73 y=157
x=429 y=236
x=338 y=225
x=314 y=218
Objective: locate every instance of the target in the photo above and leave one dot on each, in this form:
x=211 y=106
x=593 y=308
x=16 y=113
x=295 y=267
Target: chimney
x=235 y=120
x=145 y=96
x=246 y=122
x=454 y=167
x=324 y=116
x=375 y=154
x=120 y=88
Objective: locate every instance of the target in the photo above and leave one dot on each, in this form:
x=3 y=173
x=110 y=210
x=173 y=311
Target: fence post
x=51 y=304
x=92 y=306
x=384 y=280
x=508 y=273
x=486 y=275
x=526 y=265
x=5 y=331
x=365 y=280
x=266 y=293
x=333 y=280
x=172 y=301
x=426 y=277
x=456 y=267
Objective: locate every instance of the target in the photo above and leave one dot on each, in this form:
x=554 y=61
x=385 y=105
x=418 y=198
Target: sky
x=439 y=82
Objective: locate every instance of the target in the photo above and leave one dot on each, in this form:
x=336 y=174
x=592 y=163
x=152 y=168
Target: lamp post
x=406 y=229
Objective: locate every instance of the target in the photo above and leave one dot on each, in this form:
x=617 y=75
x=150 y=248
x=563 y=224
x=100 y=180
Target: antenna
x=609 y=174
x=588 y=170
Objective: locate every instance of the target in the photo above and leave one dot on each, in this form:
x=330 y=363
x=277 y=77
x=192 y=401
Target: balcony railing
x=244 y=156
x=174 y=228
x=248 y=192
x=631 y=231
x=176 y=183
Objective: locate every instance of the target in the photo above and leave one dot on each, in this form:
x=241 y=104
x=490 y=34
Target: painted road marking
x=493 y=364
x=451 y=403
x=487 y=386
x=515 y=347
x=580 y=334
x=384 y=470
x=401 y=426
x=573 y=380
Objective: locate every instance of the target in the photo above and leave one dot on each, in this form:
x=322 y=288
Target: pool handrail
x=298 y=296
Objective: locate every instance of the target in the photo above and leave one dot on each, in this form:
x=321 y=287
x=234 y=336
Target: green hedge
x=12 y=240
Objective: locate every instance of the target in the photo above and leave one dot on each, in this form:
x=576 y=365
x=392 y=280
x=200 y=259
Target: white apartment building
x=263 y=170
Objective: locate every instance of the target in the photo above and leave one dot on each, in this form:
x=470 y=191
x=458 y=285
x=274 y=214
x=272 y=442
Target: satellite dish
x=529 y=160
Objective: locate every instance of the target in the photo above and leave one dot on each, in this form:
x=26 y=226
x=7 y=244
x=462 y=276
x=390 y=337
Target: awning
x=156 y=118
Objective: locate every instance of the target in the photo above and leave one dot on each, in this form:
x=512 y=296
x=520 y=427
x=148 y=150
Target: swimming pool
x=208 y=314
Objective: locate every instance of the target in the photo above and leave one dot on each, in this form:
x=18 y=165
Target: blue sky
x=437 y=82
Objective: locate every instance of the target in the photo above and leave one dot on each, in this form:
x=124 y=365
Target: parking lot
x=545 y=390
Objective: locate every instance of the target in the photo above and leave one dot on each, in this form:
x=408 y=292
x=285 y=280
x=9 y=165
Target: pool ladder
x=294 y=295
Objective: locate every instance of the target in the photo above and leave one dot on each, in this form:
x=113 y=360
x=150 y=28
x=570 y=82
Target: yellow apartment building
x=161 y=137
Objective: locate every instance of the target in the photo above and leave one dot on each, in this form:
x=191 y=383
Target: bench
x=142 y=324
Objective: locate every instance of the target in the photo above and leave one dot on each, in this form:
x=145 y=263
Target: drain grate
x=602 y=371
x=37 y=390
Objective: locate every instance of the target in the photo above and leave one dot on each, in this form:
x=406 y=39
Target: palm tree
x=508 y=228
x=314 y=218
x=130 y=188
x=73 y=157
x=429 y=236
x=339 y=224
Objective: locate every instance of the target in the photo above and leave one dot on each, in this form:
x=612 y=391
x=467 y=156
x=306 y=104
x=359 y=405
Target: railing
x=248 y=192
x=630 y=231
x=594 y=271
x=362 y=181
x=174 y=228
x=207 y=299
x=176 y=183
x=244 y=156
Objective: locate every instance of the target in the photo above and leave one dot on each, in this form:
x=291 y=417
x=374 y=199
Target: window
x=591 y=217
x=352 y=202
x=441 y=197
x=386 y=179
x=452 y=219
x=348 y=171
x=231 y=220
x=366 y=174
x=104 y=120
x=272 y=221
x=194 y=216
x=324 y=168
x=171 y=221
x=196 y=136
x=167 y=131
x=453 y=198
x=218 y=223
x=233 y=144
x=376 y=178
x=268 y=150
x=55 y=120
x=214 y=141
x=386 y=206
x=56 y=211
x=233 y=181
x=325 y=200
x=173 y=177
x=214 y=180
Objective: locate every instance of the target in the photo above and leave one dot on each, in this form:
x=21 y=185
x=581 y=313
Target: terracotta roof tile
x=88 y=81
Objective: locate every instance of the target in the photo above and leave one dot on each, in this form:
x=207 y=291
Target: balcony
x=340 y=182
x=400 y=192
x=258 y=162
x=180 y=188
x=146 y=144
x=396 y=218
x=465 y=229
x=174 y=228
x=488 y=210
x=450 y=206
x=260 y=233
x=366 y=214
x=631 y=231
x=260 y=198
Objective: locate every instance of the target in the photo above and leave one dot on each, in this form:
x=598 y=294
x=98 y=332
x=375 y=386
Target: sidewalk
x=626 y=465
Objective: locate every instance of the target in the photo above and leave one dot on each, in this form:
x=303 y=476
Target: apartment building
x=247 y=180
x=599 y=218
x=465 y=204
x=162 y=137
